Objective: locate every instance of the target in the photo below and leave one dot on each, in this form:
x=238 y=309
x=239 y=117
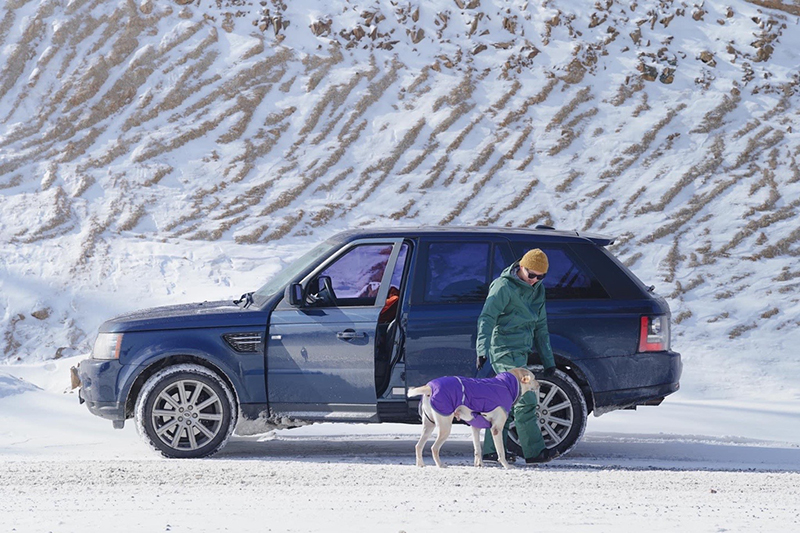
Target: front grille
x=243 y=342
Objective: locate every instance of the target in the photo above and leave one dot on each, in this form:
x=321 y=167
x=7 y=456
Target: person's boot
x=545 y=456
x=492 y=457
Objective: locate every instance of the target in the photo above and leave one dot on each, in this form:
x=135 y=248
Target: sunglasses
x=531 y=275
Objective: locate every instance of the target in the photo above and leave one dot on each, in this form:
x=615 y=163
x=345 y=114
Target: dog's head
x=527 y=381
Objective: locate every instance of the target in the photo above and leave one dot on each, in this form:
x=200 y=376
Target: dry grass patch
x=597 y=213
x=782 y=247
x=739 y=330
x=477 y=187
x=567 y=183
x=386 y=165
x=629 y=262
x=403 y=213
x=513 y=116
x=584 y=95
x=460 y=93
x=692 y=284
x=636 y=150
x=525 y=162
x=769 y=314
x=543 y=217
x=288 y=225
x=713 y=119
x=673 y=259
x=326 y=187
x=625 y=91
x=710 y=164
x=501 y=103
x=642 y=107
x=374 y=92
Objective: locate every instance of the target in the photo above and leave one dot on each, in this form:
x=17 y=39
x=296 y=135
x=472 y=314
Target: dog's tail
x=425 y=390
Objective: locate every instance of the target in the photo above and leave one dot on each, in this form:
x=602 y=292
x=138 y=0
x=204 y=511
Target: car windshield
x=279 y=281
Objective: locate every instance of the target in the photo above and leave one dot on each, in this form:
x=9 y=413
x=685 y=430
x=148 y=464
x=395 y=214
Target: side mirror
x=326 y=283
x=294 y=293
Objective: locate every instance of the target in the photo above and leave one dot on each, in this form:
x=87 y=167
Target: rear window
x=459 y=272
x=566 y=278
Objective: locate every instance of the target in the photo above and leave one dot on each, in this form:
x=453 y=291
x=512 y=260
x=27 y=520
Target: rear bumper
x=623 y=399
x=625 y=381
x=99 y=389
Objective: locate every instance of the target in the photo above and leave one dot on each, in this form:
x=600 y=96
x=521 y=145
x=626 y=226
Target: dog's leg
x=476 y=443
x=464 y=414
x=497 y=417
x=428 y=426
x=444 y=425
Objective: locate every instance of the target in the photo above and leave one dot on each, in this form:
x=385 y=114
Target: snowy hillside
x=157 y=152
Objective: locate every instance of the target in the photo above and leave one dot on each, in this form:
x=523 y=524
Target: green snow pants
x=523 y=413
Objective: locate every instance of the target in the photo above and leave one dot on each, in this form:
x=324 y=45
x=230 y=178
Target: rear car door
x=321 y=357
x=451 y=281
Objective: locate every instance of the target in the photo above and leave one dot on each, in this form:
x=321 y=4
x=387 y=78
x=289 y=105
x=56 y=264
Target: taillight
x=654 y=334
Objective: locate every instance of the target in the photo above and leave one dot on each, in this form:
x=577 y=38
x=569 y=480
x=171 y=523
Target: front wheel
x=185 y=411
x=561 y=412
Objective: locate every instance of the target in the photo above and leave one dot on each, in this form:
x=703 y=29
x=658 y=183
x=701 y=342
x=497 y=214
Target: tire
x=563 y=427
x=168 y=417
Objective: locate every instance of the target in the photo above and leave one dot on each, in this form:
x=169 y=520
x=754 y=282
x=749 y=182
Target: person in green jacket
x=512 y=320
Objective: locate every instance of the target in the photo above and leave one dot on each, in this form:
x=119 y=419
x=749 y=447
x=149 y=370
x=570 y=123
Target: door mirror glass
x=294 y=294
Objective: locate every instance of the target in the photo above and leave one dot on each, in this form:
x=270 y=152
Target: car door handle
x=350 y=334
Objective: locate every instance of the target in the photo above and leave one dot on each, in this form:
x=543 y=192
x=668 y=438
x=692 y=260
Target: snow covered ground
x=690 y=465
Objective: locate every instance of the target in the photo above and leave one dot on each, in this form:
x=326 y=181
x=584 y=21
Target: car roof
x=419 y=231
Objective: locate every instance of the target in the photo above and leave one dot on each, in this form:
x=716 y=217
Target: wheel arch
x=172 y=360
x=574 y=371
x=567 y=365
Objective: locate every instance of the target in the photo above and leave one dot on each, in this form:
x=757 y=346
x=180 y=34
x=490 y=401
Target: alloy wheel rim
x=554 y=415
x=187 y=415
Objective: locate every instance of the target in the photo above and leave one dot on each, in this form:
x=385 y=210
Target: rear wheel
x=561 y=412
x=185 y=411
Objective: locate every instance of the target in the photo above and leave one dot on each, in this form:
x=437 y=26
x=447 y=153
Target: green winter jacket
x=513 y=318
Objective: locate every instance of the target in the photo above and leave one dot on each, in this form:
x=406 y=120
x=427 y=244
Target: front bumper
x=99 y=388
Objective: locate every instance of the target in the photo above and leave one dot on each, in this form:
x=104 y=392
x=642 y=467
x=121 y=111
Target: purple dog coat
x=478 y=395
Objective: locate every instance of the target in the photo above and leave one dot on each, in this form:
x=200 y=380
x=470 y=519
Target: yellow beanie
x=535 y=260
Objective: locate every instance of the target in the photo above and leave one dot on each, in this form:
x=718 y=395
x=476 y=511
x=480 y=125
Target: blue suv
x=341 y=333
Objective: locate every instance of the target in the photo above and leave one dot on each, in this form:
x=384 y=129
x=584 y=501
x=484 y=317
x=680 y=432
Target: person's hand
x=549 y=372
x=481 y=361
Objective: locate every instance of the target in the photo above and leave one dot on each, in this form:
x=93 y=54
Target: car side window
x=353 y=279
x=566 y=278
x=499 y=263
x=457 y=272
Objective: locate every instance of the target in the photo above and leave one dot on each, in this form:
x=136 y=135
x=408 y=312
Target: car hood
x=186 y=316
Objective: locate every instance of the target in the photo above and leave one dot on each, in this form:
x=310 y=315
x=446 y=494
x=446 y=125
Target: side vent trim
x=244 y=342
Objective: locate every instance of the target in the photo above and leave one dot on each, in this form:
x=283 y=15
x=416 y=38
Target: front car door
x=321 y=357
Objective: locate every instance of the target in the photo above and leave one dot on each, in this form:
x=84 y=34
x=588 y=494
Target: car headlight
x=107 y=346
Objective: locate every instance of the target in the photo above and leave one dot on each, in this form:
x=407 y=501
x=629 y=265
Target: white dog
x=481 y=403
